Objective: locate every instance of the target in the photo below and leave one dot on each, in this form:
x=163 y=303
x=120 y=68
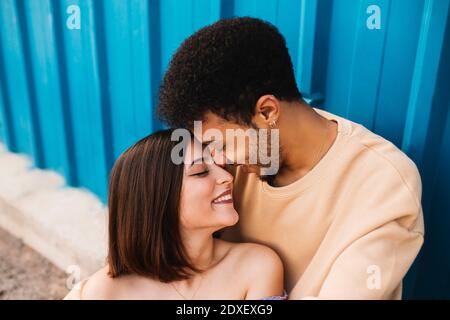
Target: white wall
x=66 y=225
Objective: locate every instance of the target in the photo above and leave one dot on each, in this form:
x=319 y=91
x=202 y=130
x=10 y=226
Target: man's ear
x=267 y=111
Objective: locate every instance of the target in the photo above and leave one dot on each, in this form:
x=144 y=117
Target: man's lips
x=224 y=197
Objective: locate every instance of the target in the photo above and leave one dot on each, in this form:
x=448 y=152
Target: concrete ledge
x=66 y=225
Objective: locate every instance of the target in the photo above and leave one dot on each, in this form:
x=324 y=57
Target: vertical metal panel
x=357 y=56
x=16 y=77
x=89 y=116
x=74 y=99
x=179 y=19
x=127 y=54
x=397 y=69
x=426 y=140
x=306 y=44
x=45 y=80
x=4 y=121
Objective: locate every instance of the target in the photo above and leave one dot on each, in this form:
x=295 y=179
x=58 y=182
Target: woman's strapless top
x=75 y=293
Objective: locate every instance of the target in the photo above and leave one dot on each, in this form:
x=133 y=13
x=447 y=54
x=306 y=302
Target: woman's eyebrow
x=207 y=143
x=196 y=161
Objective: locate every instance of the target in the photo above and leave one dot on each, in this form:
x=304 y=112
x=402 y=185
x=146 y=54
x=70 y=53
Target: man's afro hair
x=225 y=68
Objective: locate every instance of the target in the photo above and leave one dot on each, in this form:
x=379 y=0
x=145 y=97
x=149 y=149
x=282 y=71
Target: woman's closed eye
x=199 y=170
x=201 y=174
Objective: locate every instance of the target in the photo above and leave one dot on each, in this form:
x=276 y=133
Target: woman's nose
x=223 y=176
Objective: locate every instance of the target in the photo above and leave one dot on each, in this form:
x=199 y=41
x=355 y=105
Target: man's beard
x=267 y=177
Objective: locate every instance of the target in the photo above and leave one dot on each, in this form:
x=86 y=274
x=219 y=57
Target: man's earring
x=273 y=124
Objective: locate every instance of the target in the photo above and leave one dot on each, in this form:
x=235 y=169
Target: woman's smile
x=224 y=198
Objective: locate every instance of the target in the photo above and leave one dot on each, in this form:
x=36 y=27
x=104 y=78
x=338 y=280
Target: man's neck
x=305 y=137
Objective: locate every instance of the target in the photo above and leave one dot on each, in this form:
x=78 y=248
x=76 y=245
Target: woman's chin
x=229 y=216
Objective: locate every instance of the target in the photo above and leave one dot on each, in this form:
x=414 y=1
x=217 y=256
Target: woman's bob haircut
x=144 y=201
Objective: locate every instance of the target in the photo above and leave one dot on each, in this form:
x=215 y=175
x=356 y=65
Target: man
x=344 y=209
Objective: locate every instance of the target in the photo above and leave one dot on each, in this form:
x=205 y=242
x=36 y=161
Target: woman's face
x=206 y=195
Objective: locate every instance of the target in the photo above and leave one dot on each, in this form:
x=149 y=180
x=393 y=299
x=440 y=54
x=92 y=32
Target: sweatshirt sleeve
x=373 y=243
x=373 y=266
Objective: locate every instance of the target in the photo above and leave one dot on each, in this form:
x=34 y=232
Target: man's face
x=237 y=144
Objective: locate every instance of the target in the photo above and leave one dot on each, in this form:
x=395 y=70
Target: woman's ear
x=267 y=111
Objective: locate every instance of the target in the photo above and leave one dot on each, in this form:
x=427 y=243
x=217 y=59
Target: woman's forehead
x=194 y=152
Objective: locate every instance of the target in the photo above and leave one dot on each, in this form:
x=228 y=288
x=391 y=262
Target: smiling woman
x=162 y=217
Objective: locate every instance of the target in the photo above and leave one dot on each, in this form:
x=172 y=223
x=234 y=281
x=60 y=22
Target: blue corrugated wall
x=74 y=98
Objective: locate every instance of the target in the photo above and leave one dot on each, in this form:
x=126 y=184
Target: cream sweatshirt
x=349 y=229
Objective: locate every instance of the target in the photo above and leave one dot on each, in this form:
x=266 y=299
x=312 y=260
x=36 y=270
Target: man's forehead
x=210 y=123
x=213 y=131
x=212 y=120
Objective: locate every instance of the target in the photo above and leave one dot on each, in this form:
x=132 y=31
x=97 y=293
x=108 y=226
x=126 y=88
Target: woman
x=162 y=217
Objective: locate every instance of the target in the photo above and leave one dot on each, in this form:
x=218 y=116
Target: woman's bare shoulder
x=253 y=254
x=100 y=286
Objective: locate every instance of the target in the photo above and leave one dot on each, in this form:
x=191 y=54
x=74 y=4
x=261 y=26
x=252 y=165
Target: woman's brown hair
x=144 y=201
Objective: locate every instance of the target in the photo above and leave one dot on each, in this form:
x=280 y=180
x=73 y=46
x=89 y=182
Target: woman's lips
x=224 y=198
